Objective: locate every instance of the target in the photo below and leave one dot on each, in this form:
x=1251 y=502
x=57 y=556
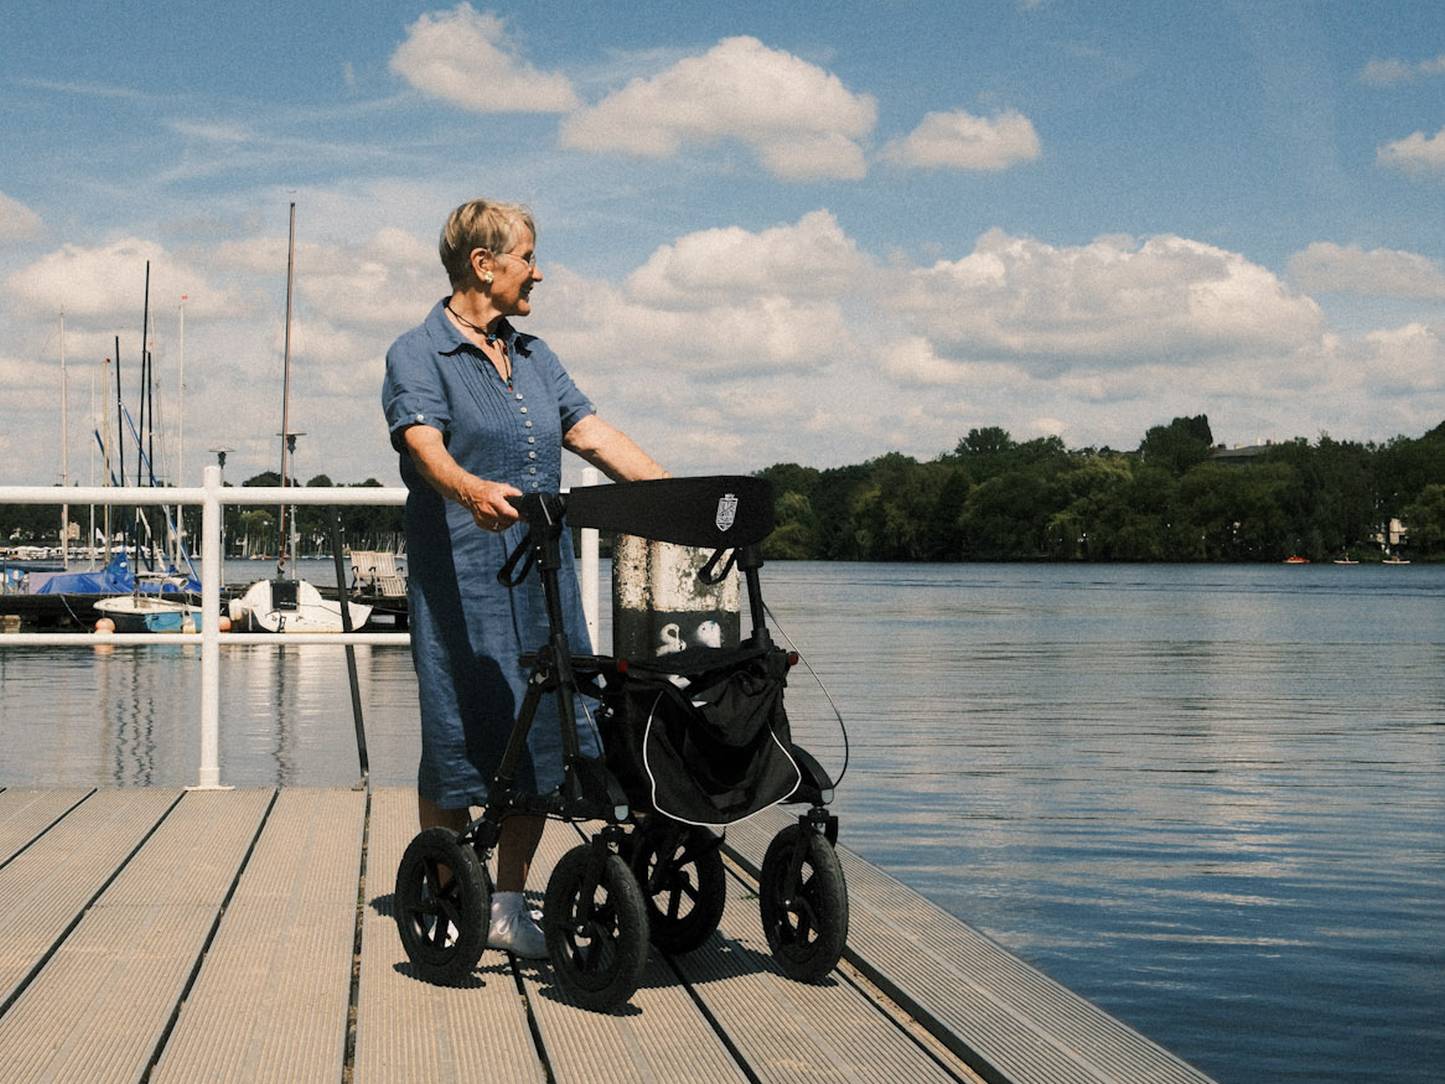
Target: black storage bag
x=712 y=752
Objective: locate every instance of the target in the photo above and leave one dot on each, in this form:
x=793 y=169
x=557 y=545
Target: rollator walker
x=693 y=741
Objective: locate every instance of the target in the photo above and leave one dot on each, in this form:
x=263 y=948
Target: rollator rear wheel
x=442 y=917
x=685 y=890
x=597 y=944
x=805 y=921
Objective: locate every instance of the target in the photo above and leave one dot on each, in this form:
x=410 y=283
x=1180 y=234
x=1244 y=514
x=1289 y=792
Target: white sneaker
x=516 y=929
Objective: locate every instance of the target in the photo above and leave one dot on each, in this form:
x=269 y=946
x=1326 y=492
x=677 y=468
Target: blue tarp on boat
x=113 y=578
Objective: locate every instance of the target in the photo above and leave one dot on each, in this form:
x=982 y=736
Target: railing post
x=590 y=588
x=210 y=774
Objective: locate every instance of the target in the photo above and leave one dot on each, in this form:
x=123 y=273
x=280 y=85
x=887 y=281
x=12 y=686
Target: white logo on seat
x=727 y=511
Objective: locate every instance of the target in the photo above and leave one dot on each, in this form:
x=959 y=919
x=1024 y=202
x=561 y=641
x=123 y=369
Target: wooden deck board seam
x=747 y=871
x=1065 y=1027
x=48 y=954
x=854 y=976
x=38 y=835
x=534 y=1026
x=200 y=960
x=734 y=1051
x=353 y=1002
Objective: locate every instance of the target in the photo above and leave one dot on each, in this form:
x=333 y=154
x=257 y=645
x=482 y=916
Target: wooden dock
x=246 y=935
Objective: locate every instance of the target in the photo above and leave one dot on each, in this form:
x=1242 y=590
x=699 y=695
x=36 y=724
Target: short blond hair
x=480 y=223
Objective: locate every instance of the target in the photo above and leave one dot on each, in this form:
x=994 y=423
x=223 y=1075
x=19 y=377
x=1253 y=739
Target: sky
x=810 y=233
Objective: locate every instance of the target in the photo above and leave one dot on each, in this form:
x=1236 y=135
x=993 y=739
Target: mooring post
x=660 y=607
x=210 y=773
x=589 y=558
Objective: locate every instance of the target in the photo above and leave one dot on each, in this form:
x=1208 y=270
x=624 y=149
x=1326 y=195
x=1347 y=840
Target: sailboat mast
x=144 y=373
x=286 y=388
x=181 y=425
x=119 y=408
x=181 y=397
x=90 y=527
x=107 y=444
x=64 y=448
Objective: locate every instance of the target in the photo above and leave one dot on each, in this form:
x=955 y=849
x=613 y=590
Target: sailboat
x=289 y=604
x=149 y=613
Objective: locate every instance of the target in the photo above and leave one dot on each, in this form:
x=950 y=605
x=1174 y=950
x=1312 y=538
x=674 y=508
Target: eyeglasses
x=530 y=261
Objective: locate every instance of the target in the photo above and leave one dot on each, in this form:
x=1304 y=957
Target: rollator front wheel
x=597 y=939
x=805 y=918
x=442 y=906
x=683 y=884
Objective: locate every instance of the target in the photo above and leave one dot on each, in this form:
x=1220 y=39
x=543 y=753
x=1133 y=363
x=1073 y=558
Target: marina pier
x=160 y=933
x=168 y=934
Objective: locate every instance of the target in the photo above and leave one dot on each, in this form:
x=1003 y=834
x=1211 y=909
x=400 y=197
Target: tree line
x=246 y=529
x=993 y=498
x=1174 y=498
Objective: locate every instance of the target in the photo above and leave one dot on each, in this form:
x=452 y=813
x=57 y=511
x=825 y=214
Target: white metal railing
x=211 y=496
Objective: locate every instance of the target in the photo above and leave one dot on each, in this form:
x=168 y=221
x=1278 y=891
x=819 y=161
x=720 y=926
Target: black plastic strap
x=709 y=574
x=507 y=575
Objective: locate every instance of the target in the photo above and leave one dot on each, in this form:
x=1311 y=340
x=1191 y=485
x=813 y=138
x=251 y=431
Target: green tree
x=1178 y=446
x=1425 y=518
x=793 y=539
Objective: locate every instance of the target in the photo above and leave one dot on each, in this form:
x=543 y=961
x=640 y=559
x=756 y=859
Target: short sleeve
x=412 y=392
x=572 y=405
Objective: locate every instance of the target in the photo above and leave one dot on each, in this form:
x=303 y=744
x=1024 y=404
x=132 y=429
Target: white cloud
x=716 y=305
x=388 y=283
x=1416 y=153
x=913 y=361
x=813 y=258
x=1324 y=267
x=24 y=376
x=800 y=120
x=1405 y=361
x=1389 y=71
x=109 y=281
x=1114 y=301
x=17 y=221
x=960 y=140
x=464 y=57
x=611 y=330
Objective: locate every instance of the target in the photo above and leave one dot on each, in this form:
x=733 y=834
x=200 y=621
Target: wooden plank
x=271 y=1000
x=99 y=1009
x=659 y=1036
x=796 y=1032
x=999 y=1014
x=45 y=889
x=408 y=1030
x=26 y=813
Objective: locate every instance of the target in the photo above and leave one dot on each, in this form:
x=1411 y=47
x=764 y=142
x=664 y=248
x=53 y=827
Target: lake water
x=1211 y=799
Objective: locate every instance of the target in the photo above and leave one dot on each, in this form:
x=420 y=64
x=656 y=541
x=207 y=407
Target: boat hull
x=291 y=607
x=142 y=613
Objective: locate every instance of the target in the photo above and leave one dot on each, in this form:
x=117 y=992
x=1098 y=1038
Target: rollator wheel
x=685 y=891
x=806 y=922
x=598 y=945
x=443 y=920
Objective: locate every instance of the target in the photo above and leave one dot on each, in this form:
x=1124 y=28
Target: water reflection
x=1209 y=799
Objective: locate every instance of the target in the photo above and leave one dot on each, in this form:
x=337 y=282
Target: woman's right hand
x=487 y=502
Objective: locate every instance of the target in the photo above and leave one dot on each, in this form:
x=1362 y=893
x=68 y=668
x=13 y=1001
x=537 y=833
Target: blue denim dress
x=467 y=630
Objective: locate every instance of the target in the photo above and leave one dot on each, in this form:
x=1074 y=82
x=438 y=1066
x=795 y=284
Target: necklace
x=485 y=332
x=491 y=338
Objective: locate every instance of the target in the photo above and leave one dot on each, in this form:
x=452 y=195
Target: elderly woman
x=481 y=412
